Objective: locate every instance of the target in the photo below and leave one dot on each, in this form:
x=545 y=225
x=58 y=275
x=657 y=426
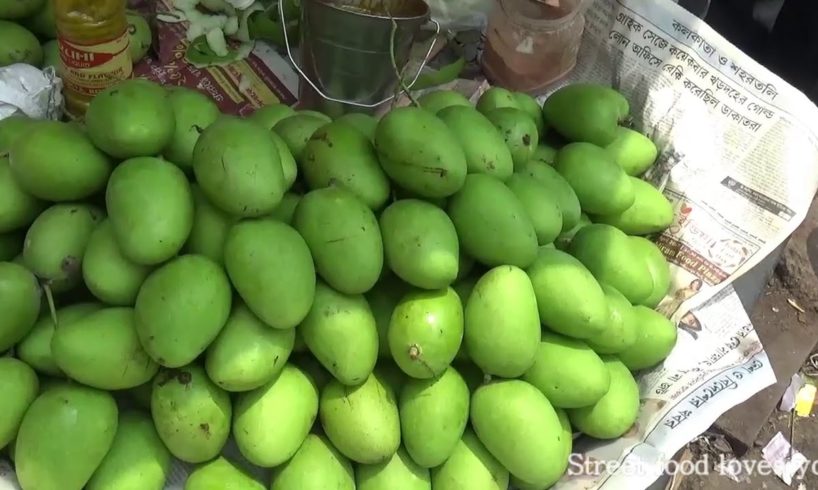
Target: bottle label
x=91 y=68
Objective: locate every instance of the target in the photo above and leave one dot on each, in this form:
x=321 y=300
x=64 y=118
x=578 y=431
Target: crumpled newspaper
x=34 y=92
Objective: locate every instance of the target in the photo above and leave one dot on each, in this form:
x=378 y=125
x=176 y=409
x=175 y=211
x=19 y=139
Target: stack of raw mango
x=357 y=303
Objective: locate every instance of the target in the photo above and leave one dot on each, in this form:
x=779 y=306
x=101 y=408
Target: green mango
x=51 y=55
x=530 y=106
x=191 y=414
x=419 y=152
x=496 y=98
x=269 y=115
x=470 y=467
x=19 y=9
x=107 y=273
x=558 y=279
x=132 y=118
x=563 y=240
x=658 y=268
x=317 y=114
x=194 y=112
x=338 y=154
x=568 y=443
x=11 y=245
x=584 y=112
x=317 y=465
x=420 y=243
x=433 y=415
x=614 y=413
x=492 y=223
x=545 y=153
x=247 y=353
x=285 y=211
x=18 y=45
x=437 y=100
x=296 y=130
x=542 y=207
x=18 y=208
x=519 y=132
x=181 y=308
x=651 y=212
x=335 y=223
x=622 y=328
x=271 y=267
x=20 y=299
x=483 y=144
x=288 y=166
x=20 y=386
x=35 y=348
x=601 y=185
x=139 y=35
x=655 y=339
x=59 y=421
x=266 y=441
x=361 y=421
x=519 y=426
x=633 y=151
x=238 y=167
x=137 y=459
x=56 y=161
x=382 y=299
x=361 y=122
x=56 y=241
x=341 y=333
x=568 y=372
x=221 y=474
x=209 y=227
x=502 y=325
x=559 y=188
x=397 y=473
x=610 y=256
x=426 y=331
x=12 y=128
x=102 y=350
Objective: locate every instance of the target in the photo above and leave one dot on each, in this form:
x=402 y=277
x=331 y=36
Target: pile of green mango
x=436 y=299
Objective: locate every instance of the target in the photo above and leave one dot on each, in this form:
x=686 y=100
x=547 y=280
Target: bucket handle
x=342 y=101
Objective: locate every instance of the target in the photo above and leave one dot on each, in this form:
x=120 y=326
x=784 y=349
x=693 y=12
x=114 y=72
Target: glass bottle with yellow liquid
x=93 y=40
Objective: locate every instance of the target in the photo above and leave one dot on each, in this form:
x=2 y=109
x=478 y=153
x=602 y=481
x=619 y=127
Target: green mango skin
x=285 y=211
x=341 y=333
x=419 y=152
x=296 y=130
x=485 y=149
x=496 y=98
x=437 y=100
x=633 y=151
x=20 y=386
x=542 y=207
x=420 y=243
x=139 y=33
x=317 y=465
x=51 y=55
x=266 y=441
x=55 y=243
x=338 y=154
x=316 y=114
x=363 y=123
x=425 y=332
x=62 y=419
x=289 y=168
x=56 y=161
x=433 y=416
x=107 y=273
x=137 y=459
x=609 y=255
x=19 y=10
x=530 y=106
x=19 y=301
x=12 y=128
x=181 y=308
x=622 y=328
x=559 y=188
x=221 y=474
x=545 y=153
x=567 y=438
x=361 y=421
x=616 y=411
x=519 y=132
x=557 y=278
x=131 y=119
x=655 y=339
x=382 y=299
x=651 y=212
x=209 y=228
x=657 y=266
x=102 y=350
x=568 y=372
x=238 y=167
x=19 y=45
x=492 y=223
x=267 y=259
x=247 y=353
x=193 y=112
x=584 y=112
x=18 y=208
x=335 y=223
x=41 y=22
x=470 y=467
x=520 y=428
x=602 y=187
x=397 y=473
x=563 y=241
x=35 y=348
x=269 y=115
x=502 y=324
x=191 y=414
x=11 y=245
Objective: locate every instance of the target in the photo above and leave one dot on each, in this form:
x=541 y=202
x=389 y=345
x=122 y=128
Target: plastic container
x=531 y=44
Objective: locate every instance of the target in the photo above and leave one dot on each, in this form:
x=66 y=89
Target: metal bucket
x=346 y=62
